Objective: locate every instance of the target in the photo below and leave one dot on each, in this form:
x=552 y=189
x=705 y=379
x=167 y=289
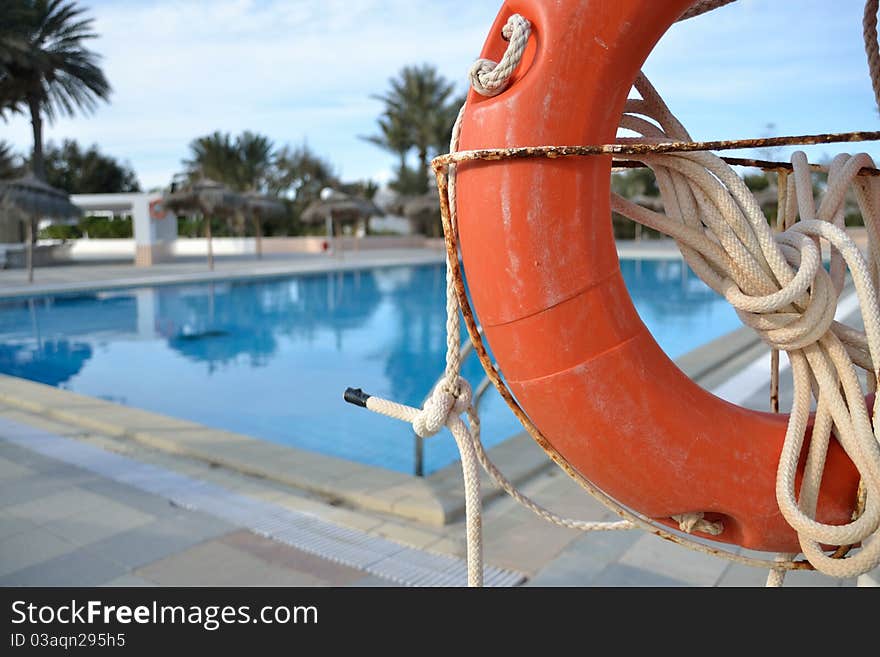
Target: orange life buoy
x=541 y=264
x=157 y=209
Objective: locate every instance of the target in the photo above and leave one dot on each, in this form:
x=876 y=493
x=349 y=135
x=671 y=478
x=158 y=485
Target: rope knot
x=490 y=78
x=696 y=522
x=446 y=401
x=801 y=311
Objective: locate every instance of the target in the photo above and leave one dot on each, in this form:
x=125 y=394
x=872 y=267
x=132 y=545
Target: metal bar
x=481 y=390
x=420 y=455
x=781 y=203
x=29 y=252
x=765 y=165
x=466 y=349
x=627 y=147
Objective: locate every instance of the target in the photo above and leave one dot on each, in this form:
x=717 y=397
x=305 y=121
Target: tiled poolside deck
x=63 y=524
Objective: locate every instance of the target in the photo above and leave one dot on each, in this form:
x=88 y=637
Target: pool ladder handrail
x=467 y=348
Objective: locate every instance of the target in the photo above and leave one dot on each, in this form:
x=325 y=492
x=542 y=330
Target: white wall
x=124 y=249
x=109 y=249
x=198 y=246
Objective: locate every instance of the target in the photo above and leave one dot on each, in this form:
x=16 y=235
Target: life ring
x=541 y=264
x=157 y=209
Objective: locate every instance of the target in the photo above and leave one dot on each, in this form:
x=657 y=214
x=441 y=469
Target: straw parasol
x=422 y=211
x=33 y=199
x=259 y=206
x=336 y=208
x=207 y=197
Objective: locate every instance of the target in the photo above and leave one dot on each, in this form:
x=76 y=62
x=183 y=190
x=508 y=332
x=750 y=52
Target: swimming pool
x=270 y=358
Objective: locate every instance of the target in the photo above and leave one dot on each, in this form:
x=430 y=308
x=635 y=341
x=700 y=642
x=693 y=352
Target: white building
x=155 y=230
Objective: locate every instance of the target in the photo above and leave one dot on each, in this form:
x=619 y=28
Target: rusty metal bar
x=765 y=165
x=419 y=444
x=644 y=148
x=781 y=200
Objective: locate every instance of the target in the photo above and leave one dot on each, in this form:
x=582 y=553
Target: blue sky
x=304 y=71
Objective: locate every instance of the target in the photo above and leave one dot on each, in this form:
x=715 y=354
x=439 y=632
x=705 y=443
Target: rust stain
x=642 y=148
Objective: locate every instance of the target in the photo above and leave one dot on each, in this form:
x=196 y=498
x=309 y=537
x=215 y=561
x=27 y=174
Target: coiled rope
x=776 y=283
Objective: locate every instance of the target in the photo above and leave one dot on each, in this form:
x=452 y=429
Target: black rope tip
x=356 y=396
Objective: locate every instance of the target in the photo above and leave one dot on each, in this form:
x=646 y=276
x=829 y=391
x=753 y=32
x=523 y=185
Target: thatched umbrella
x=259 y=206
x=208 y=198
x=336 y=208
x=33 y=199
x=423 y=211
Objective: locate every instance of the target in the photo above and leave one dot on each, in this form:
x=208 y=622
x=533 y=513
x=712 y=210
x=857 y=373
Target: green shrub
x=104 y=228
x=91 y=227
x=60 y=232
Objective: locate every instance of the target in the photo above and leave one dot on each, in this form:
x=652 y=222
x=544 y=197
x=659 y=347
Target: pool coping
x=654 y=249
x=436 y=500
x=305 y=266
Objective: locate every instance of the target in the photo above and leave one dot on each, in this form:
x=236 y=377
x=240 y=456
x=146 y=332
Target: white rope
x=869 y=25
x=776 y=283
x=702 y=7
x=779 y=288
x=491 y=78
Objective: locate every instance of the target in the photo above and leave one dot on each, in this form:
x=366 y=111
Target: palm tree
x=213 y=156
x=242 y=164
x=394 y=136
x=301 y=174
x=47 y=69
x=419 y=113
x=12 y=48
x=256 y=156
x=8 y=164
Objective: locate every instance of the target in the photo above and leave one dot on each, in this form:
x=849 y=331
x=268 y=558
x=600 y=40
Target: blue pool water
x=270 y=358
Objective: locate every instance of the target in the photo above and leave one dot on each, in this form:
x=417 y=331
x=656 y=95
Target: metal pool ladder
x=467 y=348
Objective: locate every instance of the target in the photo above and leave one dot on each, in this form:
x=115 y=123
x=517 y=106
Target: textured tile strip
x=351 y=547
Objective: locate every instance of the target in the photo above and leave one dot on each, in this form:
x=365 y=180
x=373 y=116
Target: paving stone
x=77 y=568
x=27 y=457
x=72 y=501
x=105 y=520
x=11 y=525
x=567 y=571
x=214 y=563
x=667 y=559
x=413 y=536
x=451 y=545
x=372 y=581
x=30 y=547
x=739 y=575
x=158 y=539
x=584 y=559
x=29 y=488
x=129 y=580
x=622 y=575
x=144 y=502
x=529 y=546
x=736 y=574
x=9 y=470
x=280 y=554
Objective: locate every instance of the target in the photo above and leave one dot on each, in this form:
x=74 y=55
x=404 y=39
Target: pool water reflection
x=270 y=358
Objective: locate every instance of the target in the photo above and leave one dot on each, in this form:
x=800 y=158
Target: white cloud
x=296 y=71
x=305 y=70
